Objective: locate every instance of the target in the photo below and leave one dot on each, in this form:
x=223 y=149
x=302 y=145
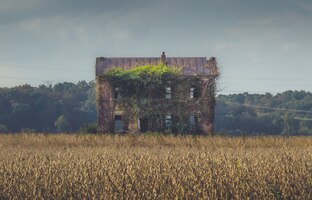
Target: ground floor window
x=118 y=125
x=193 y=121
x=168 y=121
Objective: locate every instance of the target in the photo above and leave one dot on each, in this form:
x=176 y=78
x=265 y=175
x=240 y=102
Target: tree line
x=63 y=107
x=288 y=113
x=69 y=107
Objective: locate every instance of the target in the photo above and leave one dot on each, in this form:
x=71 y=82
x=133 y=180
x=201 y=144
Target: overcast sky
x=260 y=45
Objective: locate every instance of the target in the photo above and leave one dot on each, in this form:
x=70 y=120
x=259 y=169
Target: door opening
x=143 y=124
x=118 y=124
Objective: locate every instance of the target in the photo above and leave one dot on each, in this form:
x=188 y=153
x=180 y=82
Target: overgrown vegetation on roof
x=142 y=75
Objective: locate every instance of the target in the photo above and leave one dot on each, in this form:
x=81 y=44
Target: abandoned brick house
x=180 y=106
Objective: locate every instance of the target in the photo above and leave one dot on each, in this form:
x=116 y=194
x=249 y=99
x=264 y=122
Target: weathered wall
x=207 y=105
x=105 y=105
x=203 y=71
x=108 y=107
x=180 y=107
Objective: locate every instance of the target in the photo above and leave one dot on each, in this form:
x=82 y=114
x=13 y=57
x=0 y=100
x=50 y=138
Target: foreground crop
x=154 y=167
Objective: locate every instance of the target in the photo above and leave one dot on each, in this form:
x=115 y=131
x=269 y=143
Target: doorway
x=118 y=124
x=143 y=123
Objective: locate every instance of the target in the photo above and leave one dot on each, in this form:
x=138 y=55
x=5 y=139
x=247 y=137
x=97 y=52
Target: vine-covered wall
x=142 y=92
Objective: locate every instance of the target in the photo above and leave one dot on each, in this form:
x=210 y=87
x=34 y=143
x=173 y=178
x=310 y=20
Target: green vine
x=140 y=78
x=142 y=89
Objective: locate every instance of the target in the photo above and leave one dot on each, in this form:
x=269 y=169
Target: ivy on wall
x=143 y=89
x=140 y=85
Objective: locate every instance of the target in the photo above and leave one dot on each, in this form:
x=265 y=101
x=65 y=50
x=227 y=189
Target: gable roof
x=191 y=66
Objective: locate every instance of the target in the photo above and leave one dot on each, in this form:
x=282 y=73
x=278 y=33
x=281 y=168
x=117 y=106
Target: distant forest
x=69 y=107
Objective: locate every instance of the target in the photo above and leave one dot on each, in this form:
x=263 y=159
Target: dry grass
x=154 y=167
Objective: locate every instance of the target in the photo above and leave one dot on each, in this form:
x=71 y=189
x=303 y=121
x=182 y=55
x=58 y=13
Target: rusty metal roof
x=191 y=66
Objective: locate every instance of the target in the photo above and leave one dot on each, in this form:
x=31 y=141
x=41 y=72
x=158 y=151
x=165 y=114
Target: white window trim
x=168 y=92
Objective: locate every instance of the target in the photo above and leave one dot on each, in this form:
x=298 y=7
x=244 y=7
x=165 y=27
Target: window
x=192 y=89
x=168 y=121
x=118 y=125
x=168 y=93
x=193 y=93
x=117 y=93
x=193 y=120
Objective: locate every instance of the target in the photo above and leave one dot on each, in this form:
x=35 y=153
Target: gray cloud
x=17 y=10
x=241 y=33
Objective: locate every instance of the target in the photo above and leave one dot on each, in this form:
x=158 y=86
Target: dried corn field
x=154 y=167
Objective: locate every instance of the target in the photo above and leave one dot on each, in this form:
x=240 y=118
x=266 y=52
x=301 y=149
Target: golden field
x=38 y=166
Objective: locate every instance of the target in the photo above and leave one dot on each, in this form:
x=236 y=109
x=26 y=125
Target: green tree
x=291 y=125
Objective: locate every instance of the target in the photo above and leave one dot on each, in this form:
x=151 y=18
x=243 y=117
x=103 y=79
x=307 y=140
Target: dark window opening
x=193 y=121
x=168 y=93
x=194 y=93
x=168 y=122
x=143 y=122
x=118 y=124
x=117 y=93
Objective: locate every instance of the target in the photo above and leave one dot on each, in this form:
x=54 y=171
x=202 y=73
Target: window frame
x=168 y=122
x=168 y=92
x=194 y=92
x=193 y=123
x=191 y=92
x=117 y=94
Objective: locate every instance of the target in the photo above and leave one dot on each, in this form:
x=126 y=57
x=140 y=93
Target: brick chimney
x=163 y=58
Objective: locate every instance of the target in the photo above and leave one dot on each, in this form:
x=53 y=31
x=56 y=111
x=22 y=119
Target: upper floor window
x=117 y=93
x=168 y=93
x=193 y=93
